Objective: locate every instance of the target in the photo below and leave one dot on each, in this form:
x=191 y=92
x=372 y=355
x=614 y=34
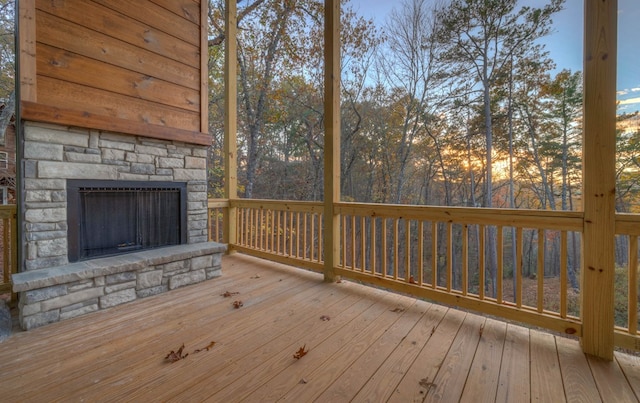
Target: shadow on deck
x=363 y=344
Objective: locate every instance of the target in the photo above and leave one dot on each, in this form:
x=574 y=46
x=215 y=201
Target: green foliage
x=7 y=49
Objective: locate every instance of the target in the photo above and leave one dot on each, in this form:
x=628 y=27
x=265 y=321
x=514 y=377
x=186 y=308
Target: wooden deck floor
x=363 y=345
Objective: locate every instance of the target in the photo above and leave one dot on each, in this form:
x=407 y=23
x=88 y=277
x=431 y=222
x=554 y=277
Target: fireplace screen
x=108 y=218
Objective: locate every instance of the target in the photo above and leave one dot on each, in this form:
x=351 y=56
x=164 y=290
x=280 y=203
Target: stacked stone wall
x=53 y=154
x=58 y=293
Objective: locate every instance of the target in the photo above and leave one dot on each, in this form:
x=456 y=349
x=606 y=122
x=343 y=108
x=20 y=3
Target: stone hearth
x=53 y=289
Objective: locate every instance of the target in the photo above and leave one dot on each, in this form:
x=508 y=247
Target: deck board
x=450 y=380
x=375 y=346
x=514 y=383
x=482 y=382
x=546 y=378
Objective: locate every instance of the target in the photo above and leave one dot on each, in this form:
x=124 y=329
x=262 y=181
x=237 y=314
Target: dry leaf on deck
x=174 y=356
x=324 y=318
x=208 y=347
x=424 y=382
x=237 y=304
x=301 y=352
x=227 y=294
x=397 y=310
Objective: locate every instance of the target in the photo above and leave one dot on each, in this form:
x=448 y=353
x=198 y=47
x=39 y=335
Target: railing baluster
x=540 y=273
x=363 y=245
x=564 y=265
x=518 y=266
x=291 y=234
x=384 y=248
x=298 y=235
x=353 y=242
x=633 y=284
x=481 y=262
x=344 y=241
x=449 y=255
x=240 y=225
x=256 y=238
x=407 y=251
x=305 y=242
x=395 y=248
x=434 y=254
x=279 y=231
x=313 y=239
x=320 y=253
x=499 y=269
x=274 y=231
x=262 y=229
x=465 y=258
x=248 y=224
x=420 y=252
x=372 y=243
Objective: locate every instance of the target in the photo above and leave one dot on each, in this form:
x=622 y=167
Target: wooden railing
x=494 y=261
x=8 y=231
x=218 y=210
x=516 y=264
x=286 y=231
x=627 y=334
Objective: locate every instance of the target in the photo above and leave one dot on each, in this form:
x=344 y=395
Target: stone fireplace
x=109 y=218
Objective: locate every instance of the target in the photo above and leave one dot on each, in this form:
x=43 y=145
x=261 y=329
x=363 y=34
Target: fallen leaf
x=303 y=381
x=398 y=310
x=433 y=331
x=208 y=347
x=324 y=318
x=481 y=329
x=424 y=382
x=174 y=356
x=301 y=352
x=227 y=294
x=412 y=280
x=256 y=276
x=237 y=304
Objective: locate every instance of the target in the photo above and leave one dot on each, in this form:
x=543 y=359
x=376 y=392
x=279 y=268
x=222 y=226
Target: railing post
x=598 y=159
x=230 y=124
x=331 y=137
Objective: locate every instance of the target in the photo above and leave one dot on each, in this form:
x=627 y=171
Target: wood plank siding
x=364 y=344
x=140 y=62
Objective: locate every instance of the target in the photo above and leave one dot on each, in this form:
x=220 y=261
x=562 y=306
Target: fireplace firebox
x=113 y=217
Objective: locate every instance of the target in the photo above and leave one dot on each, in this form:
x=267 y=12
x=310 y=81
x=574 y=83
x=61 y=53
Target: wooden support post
x=598 y=159
x=331 y=137
x=230 y=124
x=27 y=51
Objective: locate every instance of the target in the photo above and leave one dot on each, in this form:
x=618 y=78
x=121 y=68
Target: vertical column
x=331 y=136
x=204 y=67
x=230 y=124
x=27 y=50
x=598 y=157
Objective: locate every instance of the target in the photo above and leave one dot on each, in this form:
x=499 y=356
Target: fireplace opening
x=114 y=217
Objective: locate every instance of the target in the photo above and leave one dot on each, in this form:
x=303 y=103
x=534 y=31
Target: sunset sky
x=565 y=42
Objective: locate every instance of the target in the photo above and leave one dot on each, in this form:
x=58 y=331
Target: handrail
x=547 y=219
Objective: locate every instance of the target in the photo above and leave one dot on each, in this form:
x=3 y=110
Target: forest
x=453 y=104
